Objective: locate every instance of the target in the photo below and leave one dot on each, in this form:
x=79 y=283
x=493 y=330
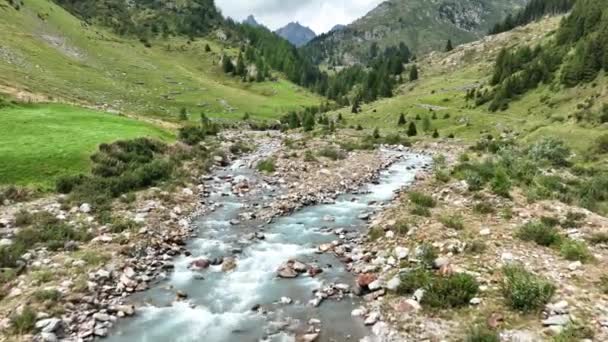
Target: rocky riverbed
x=96 y=281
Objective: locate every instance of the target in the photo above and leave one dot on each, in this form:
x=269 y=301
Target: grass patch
x=440 y=292
x=525 y=291
x=452 y=221
x=575 y=251
x=331 y=153
x=47 y=295
x=422 y=200
x=266 y=166
x=540 y=233
x=24 y=322
x=420 y=211
x=484 y=208
x=41 y=143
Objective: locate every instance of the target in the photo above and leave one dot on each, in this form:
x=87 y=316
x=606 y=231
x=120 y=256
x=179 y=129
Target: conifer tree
x=449 y=46
x=414 y=73
x=183 y=114
x=412 y=131
x=401 y=121
x=308 y=122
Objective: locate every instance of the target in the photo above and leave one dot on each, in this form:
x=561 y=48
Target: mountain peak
x=296 y=33
x=251 y=21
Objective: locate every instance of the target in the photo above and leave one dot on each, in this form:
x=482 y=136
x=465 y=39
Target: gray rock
x=48 y=337
x=48 y=325
x=393 y=284
x=557 y=320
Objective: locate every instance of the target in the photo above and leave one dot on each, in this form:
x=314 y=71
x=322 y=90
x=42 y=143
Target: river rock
x=394 y=283
x=199 y=265
x=372 y=318
x=48 y=325
x=363 y=280
x=286 y=271
x=307 y=337
x=560 y=320
x=229 y=264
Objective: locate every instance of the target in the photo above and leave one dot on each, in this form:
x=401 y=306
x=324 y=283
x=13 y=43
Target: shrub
x=501 y=185
x=401 y=228
x=484 y=208
x=420 y=211
x=66 y=184
x=427 y=254
x=575 y=251
x=574 y=333
x=121 y=225
x=9 y=255
x=191 y=134
x=413 y=280
x=524 y=291
x=50 y=233
x=332 y=153
x=482 y=334
x=603 y=284
x=602 y=144
x=573 y=220
x=550 y=150
x=47 y=295
x=375 y=233
x=452 y=221
x=476 y=247
x=23 y=322
x=450 y=292
x=422 y=200
x=540 y=233
x=267 y=166
x=23 y=218
x=309 y=157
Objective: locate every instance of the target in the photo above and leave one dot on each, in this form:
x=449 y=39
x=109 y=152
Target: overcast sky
x=319 y=15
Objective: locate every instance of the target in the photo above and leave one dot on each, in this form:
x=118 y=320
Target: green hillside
x=38 y=143
x=445 y=79
x=46 y=50
x=421 y=24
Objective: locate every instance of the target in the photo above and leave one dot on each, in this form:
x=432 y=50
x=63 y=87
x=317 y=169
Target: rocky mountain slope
x=423 y=25
x=251 y=21
x=296 y=34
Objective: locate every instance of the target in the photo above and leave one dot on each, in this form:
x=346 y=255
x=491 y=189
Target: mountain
x=423 y=25
x=337 y=28
x=251 y=21
x=296 y=34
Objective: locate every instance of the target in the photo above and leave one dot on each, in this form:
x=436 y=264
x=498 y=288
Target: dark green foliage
x=524 y=291
x=23 y=322
x=550 y=150
x=534 y=10
x=420 y=211
x=435 y=134
x=601 y=144
x=540 y=233
x=47 y=295
x=426 y=124
x=411 y=130
x=376 y=134
x=402 y=120
x=207 y=48
x=575 y=251
x=422 y=199
x=448 y=46
x=413 y=73
x=501 y=184
x=191 y=134
x=427 y=255
x=119 y=168
x=183 y=114
x=453 y=291
x=331 y=153
x=267 y=166
x=309 y=122
x=413 y=280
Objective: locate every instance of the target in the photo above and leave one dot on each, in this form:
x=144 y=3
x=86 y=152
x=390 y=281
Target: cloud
x=320 y=15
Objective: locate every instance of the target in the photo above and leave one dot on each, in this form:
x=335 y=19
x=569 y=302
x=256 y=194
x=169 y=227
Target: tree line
x=534 y=10
x=577 y=55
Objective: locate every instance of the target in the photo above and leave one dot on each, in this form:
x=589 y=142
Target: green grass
x=61 y=57
x=39 y=143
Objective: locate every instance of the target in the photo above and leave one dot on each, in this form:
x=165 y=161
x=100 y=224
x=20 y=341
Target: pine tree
x=293 y=121
x=412 y=131
x=413 y=73
x=449 y=46
x=356 y=105
x=247 y=116
x=376 y=134
x=332 y=126
x=207 y=48
x=401 y=121
x=240 y=66
x=309 y=122
x=435 y=134
x=204 y=120
x=359 y=127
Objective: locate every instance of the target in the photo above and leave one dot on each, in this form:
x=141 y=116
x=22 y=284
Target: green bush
x=481 y=333
x=453 y=291
x=332 y=153
x=484 y=208
x=413 y=280
x=121 y=225
x=267 y=166
x=420 y=211
x=66 y=184
x=427 y=254
x=540 y=233
x=452 y=221
x=575 y=251
x=24 y=322
x=524 y=291
x=47 y=295
x=601 y=144
x=191 y=134
x=501 y=184
x=422 y=200
x=550 y=150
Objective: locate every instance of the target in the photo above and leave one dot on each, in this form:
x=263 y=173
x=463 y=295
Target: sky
x=319 y=15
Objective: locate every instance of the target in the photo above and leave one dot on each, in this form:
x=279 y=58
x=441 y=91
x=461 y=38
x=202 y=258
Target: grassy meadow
x=38 y=143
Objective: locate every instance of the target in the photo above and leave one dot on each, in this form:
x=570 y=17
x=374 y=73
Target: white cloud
x=320 y=15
